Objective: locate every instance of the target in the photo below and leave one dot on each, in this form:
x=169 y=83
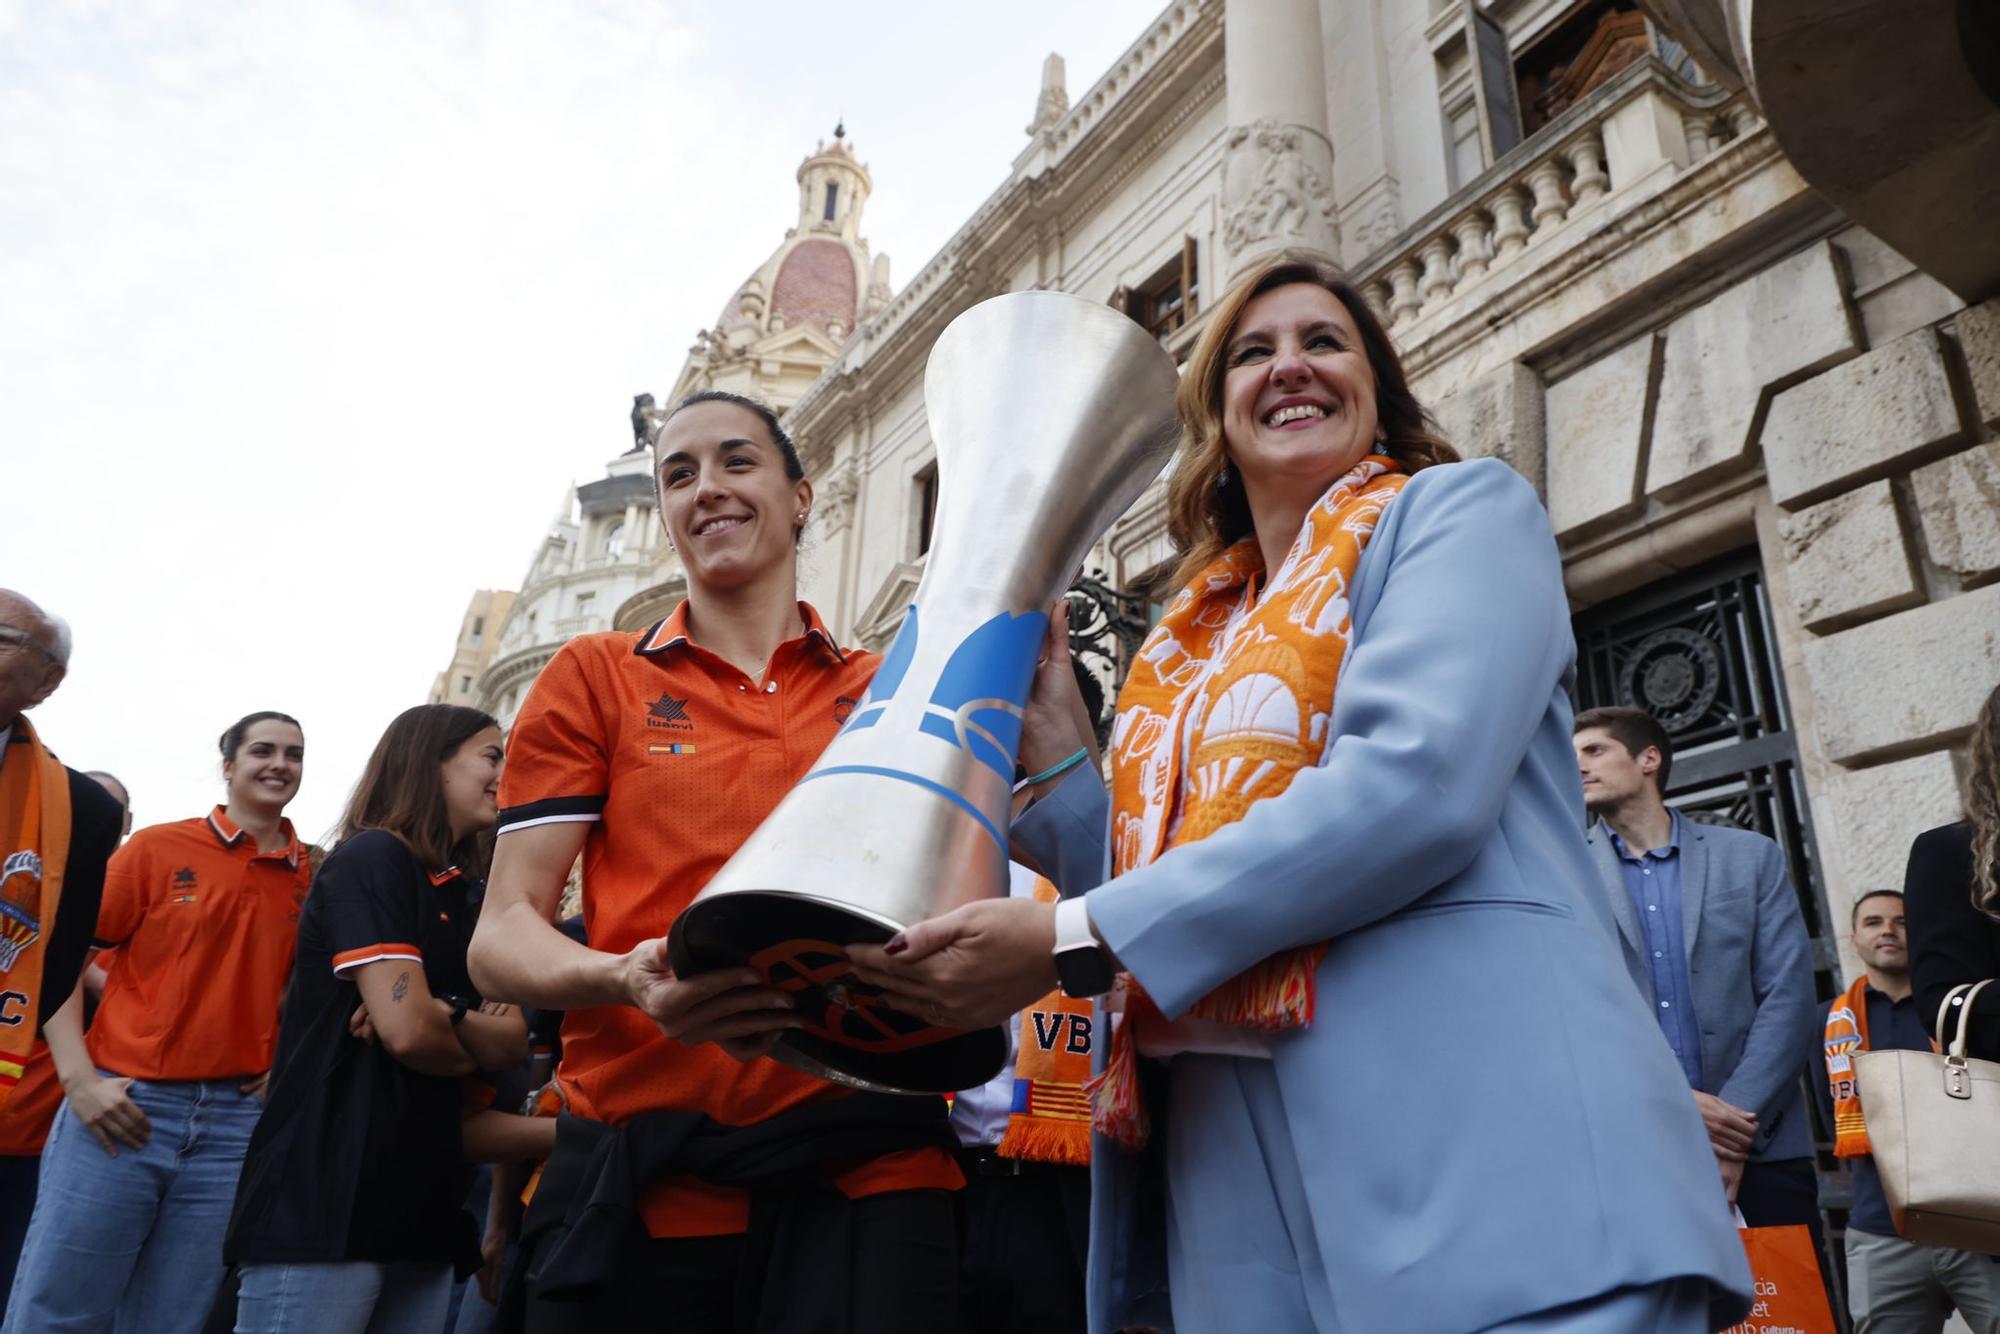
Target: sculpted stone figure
x=1286 y=197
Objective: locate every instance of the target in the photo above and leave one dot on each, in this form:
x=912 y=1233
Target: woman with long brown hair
x=1378 y=1067
x=1951 y=897
x=348 y=1213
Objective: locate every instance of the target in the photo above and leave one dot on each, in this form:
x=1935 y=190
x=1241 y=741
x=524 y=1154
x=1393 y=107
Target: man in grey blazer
x=1713 y=939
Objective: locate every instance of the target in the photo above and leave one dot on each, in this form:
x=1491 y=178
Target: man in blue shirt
x=1895 y=1286
x=1713 y=938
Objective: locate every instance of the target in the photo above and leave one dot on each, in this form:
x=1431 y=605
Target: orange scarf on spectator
x=34 y=843
x=1846 y=1035
x=1228 y=699
x=1050 y=1120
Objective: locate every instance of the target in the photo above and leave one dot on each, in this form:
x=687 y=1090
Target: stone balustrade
x=1644 y=122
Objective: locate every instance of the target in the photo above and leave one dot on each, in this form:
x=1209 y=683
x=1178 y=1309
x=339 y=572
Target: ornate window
x=614 y=540
x=1167 y=300
x=1575 y=55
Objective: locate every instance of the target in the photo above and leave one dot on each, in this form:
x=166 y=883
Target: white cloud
x=308 y=313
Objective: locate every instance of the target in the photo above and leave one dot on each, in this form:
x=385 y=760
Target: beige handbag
x=1934 y=1132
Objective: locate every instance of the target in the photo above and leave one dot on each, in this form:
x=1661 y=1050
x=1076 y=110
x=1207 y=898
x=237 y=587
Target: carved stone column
x=1277 y=182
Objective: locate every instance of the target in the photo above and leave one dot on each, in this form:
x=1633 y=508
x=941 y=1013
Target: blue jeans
x=134 y=1242
x=351 y=1297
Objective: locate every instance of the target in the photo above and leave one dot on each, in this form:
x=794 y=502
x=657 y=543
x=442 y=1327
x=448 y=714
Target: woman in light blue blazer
x=1478 y=1127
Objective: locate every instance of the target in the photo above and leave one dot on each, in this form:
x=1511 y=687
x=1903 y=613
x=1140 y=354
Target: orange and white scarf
x=1846 y=1036
x=1228 y=699
x=1050 y=1118
x=34 y=844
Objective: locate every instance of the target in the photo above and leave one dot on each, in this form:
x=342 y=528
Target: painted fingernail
x=897 y=944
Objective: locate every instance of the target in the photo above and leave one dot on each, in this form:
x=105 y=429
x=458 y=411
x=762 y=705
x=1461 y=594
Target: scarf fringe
x=1275 y=995
x=1117 y=1111
x=1044 y=1141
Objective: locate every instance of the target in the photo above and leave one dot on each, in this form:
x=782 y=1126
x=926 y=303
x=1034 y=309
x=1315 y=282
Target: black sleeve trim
x=552 y=810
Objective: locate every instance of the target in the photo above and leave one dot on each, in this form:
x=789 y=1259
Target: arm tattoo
x=401 y=989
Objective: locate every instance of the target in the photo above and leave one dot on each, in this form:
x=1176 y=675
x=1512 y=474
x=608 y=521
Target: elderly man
x=57 y=829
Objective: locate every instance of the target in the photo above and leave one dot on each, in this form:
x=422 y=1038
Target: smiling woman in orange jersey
x=141 y=1166
x=655 y=755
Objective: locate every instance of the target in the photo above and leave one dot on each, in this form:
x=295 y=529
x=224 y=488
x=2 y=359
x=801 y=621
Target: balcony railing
x=1645 y=121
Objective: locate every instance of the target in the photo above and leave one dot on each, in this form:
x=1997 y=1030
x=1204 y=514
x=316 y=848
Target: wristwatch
x=1083 y=967
x=459 y=1010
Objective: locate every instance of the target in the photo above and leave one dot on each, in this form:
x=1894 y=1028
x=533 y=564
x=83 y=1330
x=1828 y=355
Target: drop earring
x=1222 y=478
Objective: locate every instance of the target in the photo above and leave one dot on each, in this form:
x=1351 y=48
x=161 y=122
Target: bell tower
x=832 y=189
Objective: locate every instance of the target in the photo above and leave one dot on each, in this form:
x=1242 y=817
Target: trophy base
x=850 y=1037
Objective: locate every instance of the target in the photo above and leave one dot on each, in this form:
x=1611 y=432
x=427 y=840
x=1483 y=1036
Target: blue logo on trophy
x=977 y=702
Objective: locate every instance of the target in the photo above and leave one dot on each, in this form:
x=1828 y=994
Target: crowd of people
x=1317 y=1010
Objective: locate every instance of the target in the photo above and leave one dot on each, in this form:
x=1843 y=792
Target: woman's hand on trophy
x=974 y=966
x=1049 y=727
x=730 y=1007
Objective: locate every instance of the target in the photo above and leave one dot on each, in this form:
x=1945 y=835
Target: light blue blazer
x=1489 y=1122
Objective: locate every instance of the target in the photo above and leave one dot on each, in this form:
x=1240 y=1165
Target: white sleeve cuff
x=1073 y=930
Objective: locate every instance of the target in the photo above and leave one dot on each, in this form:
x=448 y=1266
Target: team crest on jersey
x=20 y=905
x=669 y=714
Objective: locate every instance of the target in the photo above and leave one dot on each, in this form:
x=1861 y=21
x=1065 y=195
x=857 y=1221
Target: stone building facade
x=1766 y=440
x=601 y=547
x=478 y=637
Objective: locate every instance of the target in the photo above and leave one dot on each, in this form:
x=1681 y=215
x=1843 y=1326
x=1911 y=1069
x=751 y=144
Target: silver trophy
x=1051 y=414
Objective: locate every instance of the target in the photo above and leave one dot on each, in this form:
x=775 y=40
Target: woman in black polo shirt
x=348 y=1213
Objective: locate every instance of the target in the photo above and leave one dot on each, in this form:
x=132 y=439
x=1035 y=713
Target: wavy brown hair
x=401 y=793
x=1203 y=520
x=1982 y=807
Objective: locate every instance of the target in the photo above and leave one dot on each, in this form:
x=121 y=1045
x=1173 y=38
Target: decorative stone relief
x=1848 y=559
x=1276 y=192
x=834 y=496
x=1369 y=226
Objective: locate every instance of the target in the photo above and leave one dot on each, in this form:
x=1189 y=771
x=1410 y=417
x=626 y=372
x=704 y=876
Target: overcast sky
x=309 y=312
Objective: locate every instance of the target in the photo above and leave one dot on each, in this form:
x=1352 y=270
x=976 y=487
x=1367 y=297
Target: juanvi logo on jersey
x=20 y=905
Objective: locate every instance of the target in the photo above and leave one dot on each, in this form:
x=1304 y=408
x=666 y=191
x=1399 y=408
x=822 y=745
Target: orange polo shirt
x=673 y=756
x=207 y=925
